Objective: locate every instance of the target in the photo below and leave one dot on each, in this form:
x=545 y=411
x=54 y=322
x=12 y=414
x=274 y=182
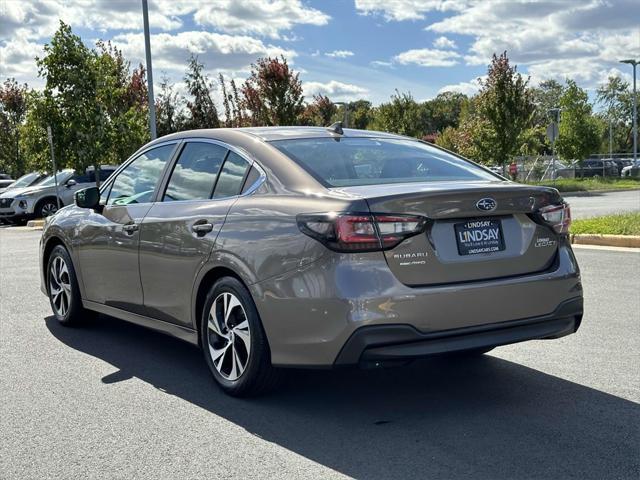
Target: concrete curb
x=35 y=223
x=629 y=241
x=587 y=193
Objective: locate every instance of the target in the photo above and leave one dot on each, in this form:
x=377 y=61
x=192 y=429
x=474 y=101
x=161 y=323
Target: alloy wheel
x=60 y=286
x=48 y=209
x=229 y=336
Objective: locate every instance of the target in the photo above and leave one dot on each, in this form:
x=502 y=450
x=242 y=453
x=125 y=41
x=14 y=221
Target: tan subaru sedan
x=314 y=247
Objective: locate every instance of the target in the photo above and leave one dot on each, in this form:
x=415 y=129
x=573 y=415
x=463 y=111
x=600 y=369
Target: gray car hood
x=14 y=192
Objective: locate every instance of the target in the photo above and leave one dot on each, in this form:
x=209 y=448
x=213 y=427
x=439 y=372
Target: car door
x=108 y=240
x=179 y=232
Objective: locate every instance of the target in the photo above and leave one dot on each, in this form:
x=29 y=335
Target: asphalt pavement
x=598 y=204
x=112 y=400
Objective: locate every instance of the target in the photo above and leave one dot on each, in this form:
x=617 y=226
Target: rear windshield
x=345 y=162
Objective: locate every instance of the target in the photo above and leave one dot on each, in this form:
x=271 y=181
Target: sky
x=346 y=49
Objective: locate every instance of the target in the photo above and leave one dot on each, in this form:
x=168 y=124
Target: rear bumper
x=382 y=343
x=310 y=314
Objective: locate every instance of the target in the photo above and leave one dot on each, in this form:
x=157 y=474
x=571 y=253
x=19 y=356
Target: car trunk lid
x=476 y=230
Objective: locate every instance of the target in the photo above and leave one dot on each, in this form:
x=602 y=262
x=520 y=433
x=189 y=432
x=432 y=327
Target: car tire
x=234 y=343
x=62 y=289
x=46 y=208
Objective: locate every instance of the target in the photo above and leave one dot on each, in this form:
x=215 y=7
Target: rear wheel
x=234 y=344
x=62 y=286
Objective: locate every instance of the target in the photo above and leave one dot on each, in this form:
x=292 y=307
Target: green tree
x=96 y=109
x=69 y=68
x=33 y=133
x=319 y=113
x=445 y=110
x=272 y=95
x=201 y=107
x=506 y=104
x=467 y=138
x=360 y=114
x=169 y=116
x=616 y=100
x=402 y=115
x=578 y=131
x=232 y=104
x=546 y=96
x=13 y=108
x=122 y=102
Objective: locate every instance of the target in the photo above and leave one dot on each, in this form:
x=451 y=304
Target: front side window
x=137 y=182
x=195 y=172
x=369 y=161
x=231 y=176
x=60 y=177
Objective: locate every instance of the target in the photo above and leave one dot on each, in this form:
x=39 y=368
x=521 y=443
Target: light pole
x=553 y=136
x=147 y=49
x=634 y=63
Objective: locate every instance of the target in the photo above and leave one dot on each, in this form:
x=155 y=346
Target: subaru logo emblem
x=486 y=204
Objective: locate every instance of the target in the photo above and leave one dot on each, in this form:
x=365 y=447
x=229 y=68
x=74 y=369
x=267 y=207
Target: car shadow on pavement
x=438 y=418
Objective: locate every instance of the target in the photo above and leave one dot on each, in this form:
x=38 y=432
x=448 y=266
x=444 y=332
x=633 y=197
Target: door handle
x=201 y=229
x=130 y=228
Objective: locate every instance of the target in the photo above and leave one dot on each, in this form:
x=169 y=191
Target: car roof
x=268 y=134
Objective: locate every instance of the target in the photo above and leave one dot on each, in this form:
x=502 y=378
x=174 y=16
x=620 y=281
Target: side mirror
x=88 y=197
x=70 y=183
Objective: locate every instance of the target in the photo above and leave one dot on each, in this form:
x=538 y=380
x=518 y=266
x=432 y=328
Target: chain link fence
x=536 y=168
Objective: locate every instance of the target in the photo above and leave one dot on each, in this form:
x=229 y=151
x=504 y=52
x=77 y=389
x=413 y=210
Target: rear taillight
x=557 y=216
x=347 y=232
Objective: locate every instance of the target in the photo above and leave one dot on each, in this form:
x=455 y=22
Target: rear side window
x=231 y=176
x=252 y=177
x=137 y=182
x=369 y=161
x=195 y=172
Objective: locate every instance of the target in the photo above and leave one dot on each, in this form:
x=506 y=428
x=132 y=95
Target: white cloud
x=444 y=42
x=17 y=61
x=258 y=16
x=469 y=88
x=218 y=52
x=41 y=19
x=335 y=90
x=552 y=39
x=399 y=10
x=426 y=57
x=340 y=54
x=381 y=63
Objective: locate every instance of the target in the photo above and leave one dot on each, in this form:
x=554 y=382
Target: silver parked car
x=302 y=246
x=24 y=181
x=39 y=200
x=632 y=170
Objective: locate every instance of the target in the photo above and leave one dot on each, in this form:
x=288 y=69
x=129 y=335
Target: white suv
x=40 y=201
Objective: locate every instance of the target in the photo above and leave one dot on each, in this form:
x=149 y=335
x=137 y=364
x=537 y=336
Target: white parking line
x=604 y=247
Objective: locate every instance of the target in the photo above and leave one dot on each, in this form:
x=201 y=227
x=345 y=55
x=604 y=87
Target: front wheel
x=233 y=341
x=46 y=208
x=62 y=286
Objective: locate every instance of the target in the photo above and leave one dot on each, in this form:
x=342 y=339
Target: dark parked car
x=596 y=168
x=313 y=247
